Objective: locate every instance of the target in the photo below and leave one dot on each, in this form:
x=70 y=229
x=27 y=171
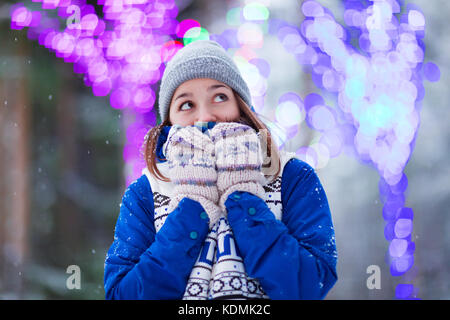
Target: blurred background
x=63 y=172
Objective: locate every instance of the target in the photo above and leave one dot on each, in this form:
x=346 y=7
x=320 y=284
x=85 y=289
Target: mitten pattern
x=191 y=161
x=238 y=160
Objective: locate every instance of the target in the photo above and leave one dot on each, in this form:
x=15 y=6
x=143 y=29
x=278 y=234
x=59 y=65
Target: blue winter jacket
x=294 y=258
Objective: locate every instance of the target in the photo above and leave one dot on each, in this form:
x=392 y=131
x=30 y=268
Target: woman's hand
x=190 y=156
x=238 y=160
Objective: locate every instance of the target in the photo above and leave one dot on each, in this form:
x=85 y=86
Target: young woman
x=219 y=212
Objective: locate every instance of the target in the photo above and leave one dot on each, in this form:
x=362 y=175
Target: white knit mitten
x=238 y=160
x=190 y=156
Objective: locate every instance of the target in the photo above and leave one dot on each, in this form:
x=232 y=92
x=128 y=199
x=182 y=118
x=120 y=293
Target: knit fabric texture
x=219 y=271
x=206 y=165
x=238 y=160
x=200 y=59
x=190 y=154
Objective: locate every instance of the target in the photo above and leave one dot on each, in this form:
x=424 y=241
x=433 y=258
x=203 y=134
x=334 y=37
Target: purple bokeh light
x=377 y=93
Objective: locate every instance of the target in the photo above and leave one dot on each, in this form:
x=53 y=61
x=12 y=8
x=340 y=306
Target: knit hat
x=200 y=59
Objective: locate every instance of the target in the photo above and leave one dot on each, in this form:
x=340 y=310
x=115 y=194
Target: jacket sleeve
x=294 y=258
x=143 y=264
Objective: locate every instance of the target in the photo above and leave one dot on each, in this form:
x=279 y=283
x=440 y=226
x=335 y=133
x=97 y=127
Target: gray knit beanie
x=200 y=59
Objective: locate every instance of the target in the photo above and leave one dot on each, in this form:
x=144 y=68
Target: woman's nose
x=206 y=115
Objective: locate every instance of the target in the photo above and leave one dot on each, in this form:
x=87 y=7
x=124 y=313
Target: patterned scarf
x=219 y=271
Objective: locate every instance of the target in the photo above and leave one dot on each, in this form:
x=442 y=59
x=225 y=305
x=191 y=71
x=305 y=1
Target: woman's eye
x=185 y=104
x=224 y=97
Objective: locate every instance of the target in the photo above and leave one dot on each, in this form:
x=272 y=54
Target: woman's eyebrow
x=215 y=86
x=185 y=94
x=188 y=94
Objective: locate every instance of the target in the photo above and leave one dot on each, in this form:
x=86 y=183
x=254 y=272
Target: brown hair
x=247 y=116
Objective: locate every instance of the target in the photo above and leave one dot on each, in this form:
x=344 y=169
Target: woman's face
x=203 y=100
